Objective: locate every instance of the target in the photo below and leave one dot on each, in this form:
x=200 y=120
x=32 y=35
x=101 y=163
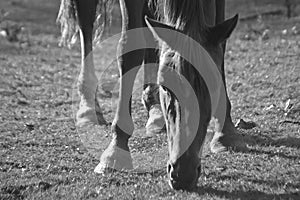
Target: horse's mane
x=178 y=12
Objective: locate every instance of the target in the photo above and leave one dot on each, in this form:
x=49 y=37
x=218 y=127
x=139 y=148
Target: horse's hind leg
x=117 y=155
x=89 y=109
x=150 y=96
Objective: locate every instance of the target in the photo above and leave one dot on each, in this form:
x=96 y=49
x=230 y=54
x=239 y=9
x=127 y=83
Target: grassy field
x=43 y=157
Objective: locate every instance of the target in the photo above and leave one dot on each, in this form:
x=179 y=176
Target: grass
x=43 y=157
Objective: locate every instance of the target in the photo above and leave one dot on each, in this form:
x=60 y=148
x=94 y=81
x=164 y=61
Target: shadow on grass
x=252 y=194
x=270 y=183
x=21 y=191
x=272 y=154
x=268 y=141
x=153 y=173
x=253 y=140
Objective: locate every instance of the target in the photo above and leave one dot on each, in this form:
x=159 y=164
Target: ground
x=43 y=157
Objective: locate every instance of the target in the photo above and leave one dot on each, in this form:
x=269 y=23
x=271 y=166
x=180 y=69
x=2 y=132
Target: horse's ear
x=163 y=32
x=222 y=31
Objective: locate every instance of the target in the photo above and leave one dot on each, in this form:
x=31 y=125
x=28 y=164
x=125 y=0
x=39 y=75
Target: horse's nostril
x=173 y=171
x=199 y=170
x=169 y=168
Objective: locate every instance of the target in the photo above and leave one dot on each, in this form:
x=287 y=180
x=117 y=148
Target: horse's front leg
x=228 y=137
x=117 y=155
x=89 y=109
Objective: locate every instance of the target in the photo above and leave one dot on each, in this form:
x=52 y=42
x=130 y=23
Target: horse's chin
x=185 y=185
x=176 y=185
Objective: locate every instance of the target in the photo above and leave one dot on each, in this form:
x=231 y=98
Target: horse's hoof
x=87 y=116
x=114 y=158
x=215 y=146
x=156 y=122
x=228 y=141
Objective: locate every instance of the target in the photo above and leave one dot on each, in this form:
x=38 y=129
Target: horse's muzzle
x=183 y=180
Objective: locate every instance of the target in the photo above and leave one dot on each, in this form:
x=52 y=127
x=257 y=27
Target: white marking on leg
x=87 y=86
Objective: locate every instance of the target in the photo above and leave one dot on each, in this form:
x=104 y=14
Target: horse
x=201 y=20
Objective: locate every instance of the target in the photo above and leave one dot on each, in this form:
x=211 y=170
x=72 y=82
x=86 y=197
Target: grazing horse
x=196 y=19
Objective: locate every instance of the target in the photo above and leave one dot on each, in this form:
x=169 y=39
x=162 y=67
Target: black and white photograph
x=149 y=99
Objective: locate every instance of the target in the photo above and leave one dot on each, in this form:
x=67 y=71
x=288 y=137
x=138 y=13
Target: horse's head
x=184 y=92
